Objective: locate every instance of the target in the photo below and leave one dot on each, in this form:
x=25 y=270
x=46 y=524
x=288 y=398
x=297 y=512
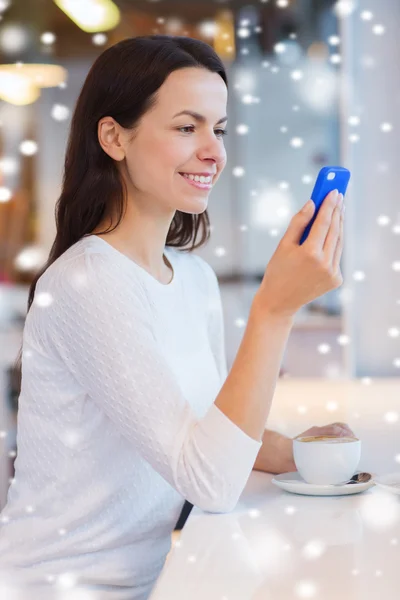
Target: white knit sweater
x=117 y=423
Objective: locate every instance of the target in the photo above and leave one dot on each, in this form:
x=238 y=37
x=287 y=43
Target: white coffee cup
x=325 y=460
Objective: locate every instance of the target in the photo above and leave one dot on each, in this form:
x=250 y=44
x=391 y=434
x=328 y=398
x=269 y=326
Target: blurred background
x=312 y=83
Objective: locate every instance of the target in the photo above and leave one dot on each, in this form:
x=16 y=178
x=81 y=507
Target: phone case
x=329 y=178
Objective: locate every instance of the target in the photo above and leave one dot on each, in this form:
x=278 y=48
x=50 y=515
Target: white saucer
x=294 y=483
x=389 y=482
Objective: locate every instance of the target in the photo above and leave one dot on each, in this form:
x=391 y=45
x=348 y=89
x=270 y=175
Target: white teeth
x=200 y=179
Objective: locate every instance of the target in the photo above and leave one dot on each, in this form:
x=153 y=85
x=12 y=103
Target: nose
x=213 y=149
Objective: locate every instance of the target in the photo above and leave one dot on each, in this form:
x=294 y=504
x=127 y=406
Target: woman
x=123 y=351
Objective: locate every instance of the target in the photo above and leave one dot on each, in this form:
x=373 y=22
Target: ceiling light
x=91 y=15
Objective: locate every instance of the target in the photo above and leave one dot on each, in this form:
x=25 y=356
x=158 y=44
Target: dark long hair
x=122 y=83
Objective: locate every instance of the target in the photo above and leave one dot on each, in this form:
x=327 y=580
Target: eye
x=222 y=132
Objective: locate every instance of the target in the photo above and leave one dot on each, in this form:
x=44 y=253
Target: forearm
x=246 y=396
x=276 y=454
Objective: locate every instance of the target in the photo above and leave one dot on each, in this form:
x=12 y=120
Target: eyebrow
x=197 y=116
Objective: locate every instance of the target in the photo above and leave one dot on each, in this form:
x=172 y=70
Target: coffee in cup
x=326 y=459
x=323 y=438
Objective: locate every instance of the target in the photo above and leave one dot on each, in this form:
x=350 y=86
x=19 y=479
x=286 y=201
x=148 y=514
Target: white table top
x=282 y=546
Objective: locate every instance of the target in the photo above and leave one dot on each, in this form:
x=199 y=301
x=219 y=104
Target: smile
x=203 y=183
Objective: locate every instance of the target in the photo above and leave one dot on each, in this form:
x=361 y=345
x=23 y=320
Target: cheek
x=152 y=173
x=176 y=152
x=166 y=156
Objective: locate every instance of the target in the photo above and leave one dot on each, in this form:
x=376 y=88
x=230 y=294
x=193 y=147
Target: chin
x=196 y=208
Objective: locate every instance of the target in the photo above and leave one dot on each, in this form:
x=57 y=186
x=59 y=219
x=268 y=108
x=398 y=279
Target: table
x=277 y=545
x=282 y=546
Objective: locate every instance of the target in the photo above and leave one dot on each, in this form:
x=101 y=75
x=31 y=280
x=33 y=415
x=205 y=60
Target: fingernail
x=335 y=194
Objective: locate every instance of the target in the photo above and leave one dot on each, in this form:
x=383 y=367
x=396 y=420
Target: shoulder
x=84 y=272
x=74 y=265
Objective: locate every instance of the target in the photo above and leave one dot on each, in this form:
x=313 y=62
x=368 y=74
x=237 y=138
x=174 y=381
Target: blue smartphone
x=329 y=179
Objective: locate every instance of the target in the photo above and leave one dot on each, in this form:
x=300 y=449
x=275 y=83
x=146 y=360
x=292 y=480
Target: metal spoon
x=358 y=478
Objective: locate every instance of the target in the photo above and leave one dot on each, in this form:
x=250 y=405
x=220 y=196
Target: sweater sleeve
x=100 y=327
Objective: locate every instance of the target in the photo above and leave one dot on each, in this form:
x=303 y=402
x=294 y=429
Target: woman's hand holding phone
x=298 y=274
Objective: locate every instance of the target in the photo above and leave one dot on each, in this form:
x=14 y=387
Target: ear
x=110 y=138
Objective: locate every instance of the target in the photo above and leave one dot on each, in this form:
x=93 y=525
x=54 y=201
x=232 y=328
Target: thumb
x=299 y=222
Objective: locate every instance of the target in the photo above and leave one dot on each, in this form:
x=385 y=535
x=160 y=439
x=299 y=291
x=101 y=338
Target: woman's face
x=166 y=145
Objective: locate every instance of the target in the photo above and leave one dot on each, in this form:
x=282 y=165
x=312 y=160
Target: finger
x=334 y=429
x=323 y=430
x=343 y=430
x=310 y=432
x=341 y=424
x=300 y=221
x=332 y=237
x=322 y=223
x=349 y=431
x=339 y=248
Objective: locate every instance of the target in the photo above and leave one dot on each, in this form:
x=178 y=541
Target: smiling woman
x=123 y=341
x=126 y=405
